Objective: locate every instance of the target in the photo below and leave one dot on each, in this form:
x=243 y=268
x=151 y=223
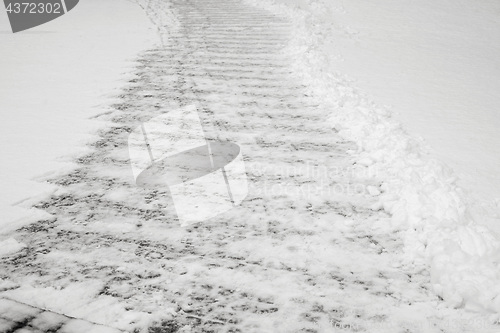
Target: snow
x=421 y=193
x=55 y=78
x=329 y=261
x=10 y=246
x=15 y=311
x=437 y=65
x=81 y=300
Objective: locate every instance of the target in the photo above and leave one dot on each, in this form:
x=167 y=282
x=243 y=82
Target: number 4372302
x=34 y=8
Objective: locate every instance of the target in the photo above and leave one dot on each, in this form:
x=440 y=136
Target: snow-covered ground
x=54 y=78
x=437 y=65
x=338 y=259
x=421 y=193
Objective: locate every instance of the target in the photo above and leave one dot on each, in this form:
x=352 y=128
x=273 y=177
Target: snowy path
x=312 y=258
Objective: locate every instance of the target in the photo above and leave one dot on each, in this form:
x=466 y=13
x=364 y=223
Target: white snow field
x=54 y=78
x=437 y=63
x=349 y=223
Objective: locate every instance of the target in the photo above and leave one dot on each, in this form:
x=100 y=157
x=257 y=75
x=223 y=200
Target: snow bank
x=437 y=64
x=420 y=193
x=55 y=77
